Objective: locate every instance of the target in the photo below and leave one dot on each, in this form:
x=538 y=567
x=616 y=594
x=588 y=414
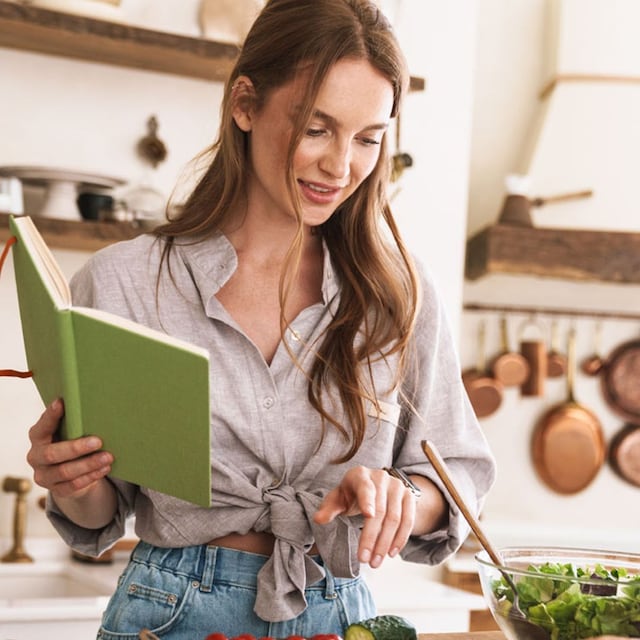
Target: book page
x=47 y=265
x=141 y=329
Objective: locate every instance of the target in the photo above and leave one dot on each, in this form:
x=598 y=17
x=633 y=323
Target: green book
x=144 y=393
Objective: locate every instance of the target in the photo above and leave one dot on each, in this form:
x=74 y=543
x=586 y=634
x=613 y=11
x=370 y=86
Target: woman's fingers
x=64 y=467
x=388 y=508
x=388 y=530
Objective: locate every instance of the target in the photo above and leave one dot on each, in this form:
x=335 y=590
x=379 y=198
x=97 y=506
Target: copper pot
x=484 y=391
x=624 y=453
x=620 y=380
x=509 y=367
x=568 y=446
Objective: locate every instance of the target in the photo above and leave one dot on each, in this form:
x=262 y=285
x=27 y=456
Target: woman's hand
x=392 y=513
x=74 y=471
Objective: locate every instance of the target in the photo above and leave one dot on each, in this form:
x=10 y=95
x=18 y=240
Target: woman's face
x=339 y=149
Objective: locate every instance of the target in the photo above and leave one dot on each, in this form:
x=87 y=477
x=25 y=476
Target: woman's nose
x=337 y=160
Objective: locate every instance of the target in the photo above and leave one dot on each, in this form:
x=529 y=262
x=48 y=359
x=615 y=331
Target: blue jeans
x=187 y=593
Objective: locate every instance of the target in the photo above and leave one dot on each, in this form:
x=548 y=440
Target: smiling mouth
x=317 y=188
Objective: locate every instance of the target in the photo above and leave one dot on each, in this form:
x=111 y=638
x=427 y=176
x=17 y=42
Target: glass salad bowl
x=570 y=593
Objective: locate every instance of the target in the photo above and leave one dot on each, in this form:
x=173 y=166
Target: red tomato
x=216 y=636
x=326 y=636
x=244 y=636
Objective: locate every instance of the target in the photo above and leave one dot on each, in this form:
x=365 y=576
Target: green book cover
x=144 y=393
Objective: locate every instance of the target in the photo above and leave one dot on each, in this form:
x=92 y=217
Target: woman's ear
x=243 y=99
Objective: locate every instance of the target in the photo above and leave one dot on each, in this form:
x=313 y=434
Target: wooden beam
x=573 y=254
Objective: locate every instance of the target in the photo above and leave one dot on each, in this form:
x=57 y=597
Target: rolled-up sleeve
x=93 y=542
x=441 y=412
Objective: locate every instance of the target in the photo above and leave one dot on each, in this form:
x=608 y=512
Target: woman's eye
x=314 y=133
x=369 y=141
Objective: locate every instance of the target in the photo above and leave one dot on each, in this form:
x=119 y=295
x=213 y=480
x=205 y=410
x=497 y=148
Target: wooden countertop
x=470 y=635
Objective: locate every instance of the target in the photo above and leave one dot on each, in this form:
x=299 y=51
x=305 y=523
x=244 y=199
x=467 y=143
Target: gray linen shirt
x=268 y=471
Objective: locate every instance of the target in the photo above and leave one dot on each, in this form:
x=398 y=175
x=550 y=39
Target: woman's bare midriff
x=254 y=542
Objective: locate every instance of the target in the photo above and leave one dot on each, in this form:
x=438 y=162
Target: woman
x=331 y=358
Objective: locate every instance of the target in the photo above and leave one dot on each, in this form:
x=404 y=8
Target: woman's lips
x=319 y=193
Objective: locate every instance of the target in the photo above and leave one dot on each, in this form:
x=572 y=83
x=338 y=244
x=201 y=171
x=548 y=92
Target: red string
x=11 y=372
x=16 y=374
x=5 y=252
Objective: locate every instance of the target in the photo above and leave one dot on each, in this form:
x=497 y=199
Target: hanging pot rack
x=550 y=311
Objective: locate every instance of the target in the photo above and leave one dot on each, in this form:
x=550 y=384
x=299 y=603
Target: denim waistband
x=210 y=565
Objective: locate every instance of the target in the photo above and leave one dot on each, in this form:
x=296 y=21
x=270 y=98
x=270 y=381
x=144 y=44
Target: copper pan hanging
x=509 y=367
x=620 y=380
x=624 y=453
x=568 y=446
x=484 y=391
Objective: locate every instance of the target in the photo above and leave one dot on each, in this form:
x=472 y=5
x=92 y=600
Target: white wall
x=513 y=59
x=88 y=117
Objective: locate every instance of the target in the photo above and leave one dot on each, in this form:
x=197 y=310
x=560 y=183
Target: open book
x=146 y=394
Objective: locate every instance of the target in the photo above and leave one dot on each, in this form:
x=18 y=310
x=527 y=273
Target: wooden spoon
x=522 y=627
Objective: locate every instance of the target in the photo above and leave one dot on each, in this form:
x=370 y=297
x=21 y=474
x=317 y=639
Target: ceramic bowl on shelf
x=59 y=187
x=569 y=592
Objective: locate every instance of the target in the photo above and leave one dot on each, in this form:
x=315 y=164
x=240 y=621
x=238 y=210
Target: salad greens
x=568 y=609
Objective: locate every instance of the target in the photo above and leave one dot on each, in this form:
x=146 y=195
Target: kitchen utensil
x=568 y=445
x=556 y=361
x=620 y=380
x=516 y=209
x=509 y=367
x=534 y=351
x=484 y=391
x=516 y=620
x=624 y=453
x=592 y=365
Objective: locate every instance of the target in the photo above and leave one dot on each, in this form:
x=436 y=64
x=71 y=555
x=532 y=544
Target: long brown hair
x=379 y=291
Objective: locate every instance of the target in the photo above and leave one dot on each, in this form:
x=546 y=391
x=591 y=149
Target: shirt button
x=268 y=402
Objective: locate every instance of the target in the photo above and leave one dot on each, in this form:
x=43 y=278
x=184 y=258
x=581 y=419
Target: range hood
x=586 y=137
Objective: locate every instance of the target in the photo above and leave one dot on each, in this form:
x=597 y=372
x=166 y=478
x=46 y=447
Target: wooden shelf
x=31 y=28
x=81 y=235
x=572 y=254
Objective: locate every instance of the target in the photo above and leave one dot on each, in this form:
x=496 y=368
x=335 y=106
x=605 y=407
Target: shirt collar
x=212 y=260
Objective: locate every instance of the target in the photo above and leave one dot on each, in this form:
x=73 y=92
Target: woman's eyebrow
x=321 y=115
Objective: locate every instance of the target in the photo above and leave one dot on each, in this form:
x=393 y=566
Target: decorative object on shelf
x=11 y=198
x=228 y=20
x=100 y=9
x=61 y=187
x=95 y=205
x=143 y=203
x=401 y=160
x=516 y=209
x=150 y=147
